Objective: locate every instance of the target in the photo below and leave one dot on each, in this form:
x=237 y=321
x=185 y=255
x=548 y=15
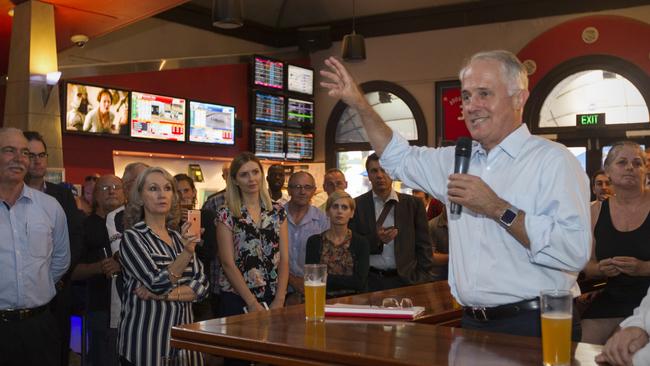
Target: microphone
x=461 y=165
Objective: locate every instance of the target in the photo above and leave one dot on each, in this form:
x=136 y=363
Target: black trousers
x=30 y=342
x=378 y=282
x=527 y=323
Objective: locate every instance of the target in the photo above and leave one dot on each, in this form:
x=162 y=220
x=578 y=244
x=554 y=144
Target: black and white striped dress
x=145 y=325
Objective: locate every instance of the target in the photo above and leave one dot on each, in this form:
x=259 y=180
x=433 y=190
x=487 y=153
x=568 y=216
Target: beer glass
x=556 y=311
x=314 y=281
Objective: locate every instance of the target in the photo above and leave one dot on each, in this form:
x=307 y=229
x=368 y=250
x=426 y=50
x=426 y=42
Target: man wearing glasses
x=35 y=178
x=34 y=255
x=97 y=267
x=305 y=220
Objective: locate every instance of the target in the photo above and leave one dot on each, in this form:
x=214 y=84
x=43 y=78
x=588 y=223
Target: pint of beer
x=315 y=284
x=556 y=310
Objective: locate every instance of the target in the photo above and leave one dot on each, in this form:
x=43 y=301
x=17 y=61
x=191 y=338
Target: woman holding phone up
x=162 y=276
x=253 y=242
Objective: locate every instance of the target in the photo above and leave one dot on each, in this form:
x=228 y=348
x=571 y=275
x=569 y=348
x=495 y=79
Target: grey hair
x=512 y=70
x=616 y=149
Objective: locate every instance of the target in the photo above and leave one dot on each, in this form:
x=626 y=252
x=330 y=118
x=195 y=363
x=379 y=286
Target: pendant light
x=353 y=48
x=227 y=14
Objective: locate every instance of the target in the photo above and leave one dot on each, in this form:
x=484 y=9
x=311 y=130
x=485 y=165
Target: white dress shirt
x=488 y=266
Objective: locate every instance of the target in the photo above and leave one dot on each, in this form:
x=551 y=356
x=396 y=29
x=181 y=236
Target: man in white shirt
x=518 y=232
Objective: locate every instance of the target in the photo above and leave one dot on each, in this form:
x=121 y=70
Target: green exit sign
x=590 y=120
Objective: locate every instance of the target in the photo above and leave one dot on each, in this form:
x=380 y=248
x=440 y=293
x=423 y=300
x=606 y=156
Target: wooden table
x=283 y=337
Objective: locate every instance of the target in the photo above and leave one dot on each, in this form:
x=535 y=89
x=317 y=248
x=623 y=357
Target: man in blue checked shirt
x=34 y=255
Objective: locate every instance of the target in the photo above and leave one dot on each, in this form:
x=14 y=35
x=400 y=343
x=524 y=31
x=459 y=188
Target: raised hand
x=340 y=83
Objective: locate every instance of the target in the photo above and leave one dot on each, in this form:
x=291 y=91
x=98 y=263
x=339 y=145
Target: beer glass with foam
x=314 y=281
x=556 y=311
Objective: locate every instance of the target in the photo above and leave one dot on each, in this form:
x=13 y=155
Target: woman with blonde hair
x=346 y=253
x=253 y=242
x=162 y=276
x=621 y=250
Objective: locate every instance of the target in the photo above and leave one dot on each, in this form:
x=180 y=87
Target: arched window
x=347 y=141
x=589 y=102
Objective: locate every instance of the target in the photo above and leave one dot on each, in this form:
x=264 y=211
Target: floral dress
x=256 y=249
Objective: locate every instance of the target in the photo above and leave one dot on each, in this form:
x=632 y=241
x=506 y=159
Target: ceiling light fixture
x=227 y=14
x=354 y=46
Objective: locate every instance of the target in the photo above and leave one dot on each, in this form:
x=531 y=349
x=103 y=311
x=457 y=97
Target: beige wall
x=155 y=39
x=416 y=61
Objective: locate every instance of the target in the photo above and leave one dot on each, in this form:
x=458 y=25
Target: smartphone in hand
x=194 y=218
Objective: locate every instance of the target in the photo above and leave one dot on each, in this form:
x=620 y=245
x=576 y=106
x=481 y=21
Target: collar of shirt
x=391 y=196
x=511 y=145
x=311 y=215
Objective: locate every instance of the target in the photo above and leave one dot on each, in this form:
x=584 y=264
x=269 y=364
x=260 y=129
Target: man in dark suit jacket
x=61 y=305
x=400 y=246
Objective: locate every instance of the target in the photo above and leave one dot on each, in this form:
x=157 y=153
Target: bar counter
x=283 y=337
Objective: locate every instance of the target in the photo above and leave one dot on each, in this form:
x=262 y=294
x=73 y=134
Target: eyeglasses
x=33 y=156
x=10 y=150
x=306 y=187
x=391 y=302
x=115 y=187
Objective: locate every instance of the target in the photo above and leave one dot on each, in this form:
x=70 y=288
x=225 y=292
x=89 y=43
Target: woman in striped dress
x=162 y=276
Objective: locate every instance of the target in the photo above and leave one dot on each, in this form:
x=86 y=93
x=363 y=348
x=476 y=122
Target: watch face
x=508 y=217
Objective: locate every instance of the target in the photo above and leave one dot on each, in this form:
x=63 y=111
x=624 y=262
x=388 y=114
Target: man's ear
x=519 y=99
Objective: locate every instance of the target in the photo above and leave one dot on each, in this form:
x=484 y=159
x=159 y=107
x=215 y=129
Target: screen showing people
x=96 y=109
x=300 y=146
x=300 y=80
x=269 y=143
x=212 y=123
x=300 y=113
x=157 y=117
x=269 y=108
x=268 y=73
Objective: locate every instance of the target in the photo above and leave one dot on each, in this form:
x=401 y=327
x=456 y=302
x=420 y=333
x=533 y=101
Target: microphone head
x=464 y=147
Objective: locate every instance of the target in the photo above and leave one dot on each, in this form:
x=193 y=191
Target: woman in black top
x=162 y=276
x=621 y=250
x=346 y=254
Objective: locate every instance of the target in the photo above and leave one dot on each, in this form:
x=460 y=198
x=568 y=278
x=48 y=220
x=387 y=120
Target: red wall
x=619 y=36
x=228 y=84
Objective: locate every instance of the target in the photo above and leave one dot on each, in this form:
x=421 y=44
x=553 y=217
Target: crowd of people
x=527 y=225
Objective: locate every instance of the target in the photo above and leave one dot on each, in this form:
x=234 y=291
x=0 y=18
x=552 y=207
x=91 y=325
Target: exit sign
x=592 y=120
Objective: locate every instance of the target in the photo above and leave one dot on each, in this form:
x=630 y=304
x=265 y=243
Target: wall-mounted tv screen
x=157 y=117
x=300 y=113
x=300 y=146
x=96 y=109
x=300 y=80
x=211 y=123
x=269 y=143
x=268 y=73
x=268 y=108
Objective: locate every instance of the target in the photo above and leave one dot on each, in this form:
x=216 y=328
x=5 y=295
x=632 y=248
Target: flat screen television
x=300 y=79
x=269 y=143
x=268 y=108
x=268 y=73
x=95 y=109
x=300 y=113
x=300 y=146
x=157 y=117
x=211 y=123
